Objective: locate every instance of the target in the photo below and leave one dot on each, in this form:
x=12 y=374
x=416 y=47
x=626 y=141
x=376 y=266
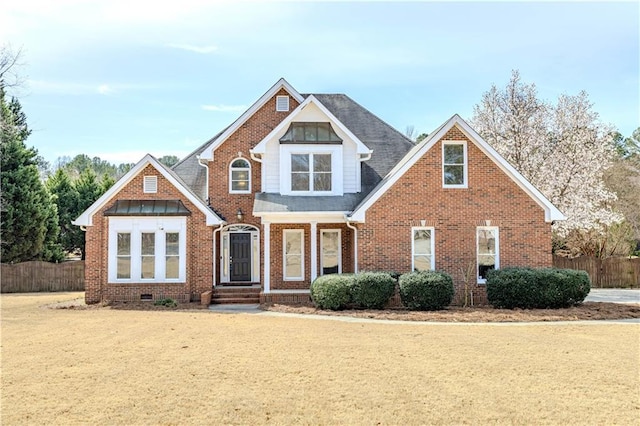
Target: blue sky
x=117 y=79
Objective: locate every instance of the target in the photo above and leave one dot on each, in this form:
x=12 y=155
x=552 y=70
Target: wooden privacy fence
x=37 y=276
x=612 y=272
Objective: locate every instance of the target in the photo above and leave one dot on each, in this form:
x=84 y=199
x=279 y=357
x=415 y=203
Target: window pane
x=454 y=175
x=422 y=241
x=322 y=181
x=485 y=264
x=322 y=162
x=298 y=133
x=240 y=175
x=310 y=133
x=299 y=162
x=330 y=252
x=124 y=267
x=422 y=263
x=300 y=181
x=172 y=263
x=240 y=163
x=293 y=267
x=323 y=132
x=293 y=243
x=454 y=154
x=124 y=244
x=148 y=243
x=486 y=241
x=148 y=266
x=173 y=246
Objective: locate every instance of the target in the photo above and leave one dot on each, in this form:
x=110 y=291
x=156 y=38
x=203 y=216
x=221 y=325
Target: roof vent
x=282 y=103
x=150 y=184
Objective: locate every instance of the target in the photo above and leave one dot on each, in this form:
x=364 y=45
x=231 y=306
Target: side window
x=422 y=247
x=454 y=164
x=240 y=176
x=488 y=250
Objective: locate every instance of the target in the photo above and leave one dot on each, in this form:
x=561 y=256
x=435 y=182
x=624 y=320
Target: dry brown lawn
x=147 y=367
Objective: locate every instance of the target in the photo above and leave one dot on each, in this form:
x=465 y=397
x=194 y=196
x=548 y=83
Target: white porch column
x=266 y=226
x=314 y=251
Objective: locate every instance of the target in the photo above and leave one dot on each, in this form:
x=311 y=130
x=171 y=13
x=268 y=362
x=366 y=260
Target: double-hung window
x=240 y=176
x=422 y=248
x=488 y=250
x=454 y=164
x=311 y=172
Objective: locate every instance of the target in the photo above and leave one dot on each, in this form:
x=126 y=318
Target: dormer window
x=240 y=176
x=320 y=133
x=311 y=172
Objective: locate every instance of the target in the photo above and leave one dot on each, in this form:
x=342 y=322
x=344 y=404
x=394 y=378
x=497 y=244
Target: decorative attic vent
x=282 y=103
x=310 y=132
x=150 y=184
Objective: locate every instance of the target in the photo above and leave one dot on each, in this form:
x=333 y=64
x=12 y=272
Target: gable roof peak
x=216 y=141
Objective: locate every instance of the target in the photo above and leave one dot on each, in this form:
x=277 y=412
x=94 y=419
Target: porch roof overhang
x=278 y=208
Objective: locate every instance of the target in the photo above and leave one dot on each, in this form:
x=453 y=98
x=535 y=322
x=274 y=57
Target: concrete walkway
x=613 y=295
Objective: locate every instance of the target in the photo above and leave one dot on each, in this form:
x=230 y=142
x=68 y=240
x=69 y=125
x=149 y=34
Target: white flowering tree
x=563 y=149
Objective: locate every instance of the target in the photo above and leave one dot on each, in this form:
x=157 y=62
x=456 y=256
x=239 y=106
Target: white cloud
x=105 y=89
x=192 y=48
x=224 y=108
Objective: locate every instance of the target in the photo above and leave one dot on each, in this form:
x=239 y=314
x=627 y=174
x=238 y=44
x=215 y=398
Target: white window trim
x=282 y=103
x=497 y=254
x=465 y=165
x=150 y=184
x=339 y=231
x=433 y=246
x=136 y=226
x=284 y=254
x=336 y=168
x=231 y=169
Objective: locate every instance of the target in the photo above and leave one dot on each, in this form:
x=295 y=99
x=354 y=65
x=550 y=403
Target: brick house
x=302 y=185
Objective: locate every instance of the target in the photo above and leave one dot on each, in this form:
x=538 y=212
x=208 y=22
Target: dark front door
x=240 y=261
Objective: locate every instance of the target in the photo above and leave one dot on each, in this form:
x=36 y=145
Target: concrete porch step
x=235 y=300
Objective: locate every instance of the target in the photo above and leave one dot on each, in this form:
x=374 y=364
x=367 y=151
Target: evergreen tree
x=29 y=220
x=65 y=197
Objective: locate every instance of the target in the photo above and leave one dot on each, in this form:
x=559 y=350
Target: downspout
x=355 y=244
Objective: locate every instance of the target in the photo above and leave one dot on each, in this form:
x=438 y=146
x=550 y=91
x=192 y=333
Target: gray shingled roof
x=193 y=174
x=389 y=147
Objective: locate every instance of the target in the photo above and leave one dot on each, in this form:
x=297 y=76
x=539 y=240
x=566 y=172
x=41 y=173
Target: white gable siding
x=271 y=168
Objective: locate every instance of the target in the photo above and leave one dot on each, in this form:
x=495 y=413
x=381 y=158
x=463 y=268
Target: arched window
x=240 y=176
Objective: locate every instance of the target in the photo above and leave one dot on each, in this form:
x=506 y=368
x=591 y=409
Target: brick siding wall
x=198 y=256
x=384 y=241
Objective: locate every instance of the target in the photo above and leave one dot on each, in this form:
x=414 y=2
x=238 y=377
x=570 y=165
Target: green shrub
x=168 y=302
x=332 y=291
x=426 y=290
x=543 y=288
x=372 y=290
